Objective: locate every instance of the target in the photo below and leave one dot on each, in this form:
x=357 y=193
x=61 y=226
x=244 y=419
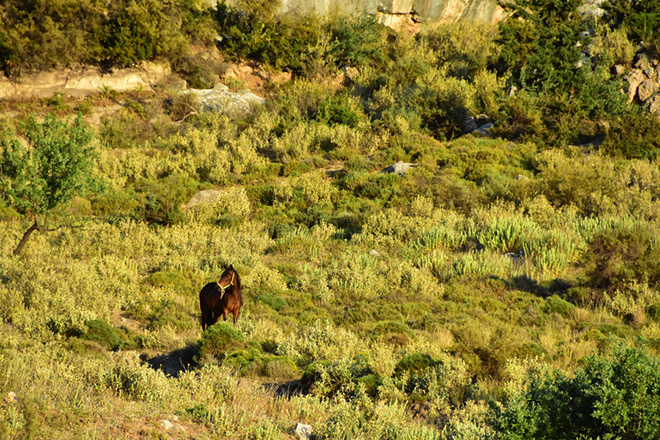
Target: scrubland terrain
x=505 y=287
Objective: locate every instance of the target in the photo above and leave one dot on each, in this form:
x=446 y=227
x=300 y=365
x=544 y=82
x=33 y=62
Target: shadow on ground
x=174 y=362
x=287 y=389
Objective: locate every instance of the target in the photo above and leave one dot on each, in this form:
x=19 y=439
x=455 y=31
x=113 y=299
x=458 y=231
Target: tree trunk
x=24 y=240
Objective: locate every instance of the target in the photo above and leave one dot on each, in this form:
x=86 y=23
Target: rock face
x=643 y=82
x=82 y=82
x=399 y=13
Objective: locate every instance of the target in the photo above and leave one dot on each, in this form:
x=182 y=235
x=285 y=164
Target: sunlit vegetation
x=505 y=287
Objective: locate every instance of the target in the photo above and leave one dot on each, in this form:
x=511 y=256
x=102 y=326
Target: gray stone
x=469 y=125
x=484 y=129
x=399 y=168
x=220 y=99
x=302 y=431
x=166 y=424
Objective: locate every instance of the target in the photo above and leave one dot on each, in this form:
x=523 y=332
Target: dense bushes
x=43 y=35
x=619 y=256
x=303 y=45
x=613 y=397
x=401 y=304
x=639 y=18
x=562 y=89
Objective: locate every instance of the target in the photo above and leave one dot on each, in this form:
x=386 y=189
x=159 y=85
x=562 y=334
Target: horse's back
x=209 y=294
x=211 y=287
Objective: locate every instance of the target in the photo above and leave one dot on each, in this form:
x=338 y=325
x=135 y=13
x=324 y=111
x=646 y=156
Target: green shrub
x=100 y=331
x=217 y=340
x=613 y=397
x=441 y=382
x=275 y=302
x=615 y=47
x=338 y=379
x=394 y=332
x=464 y=47
x=160 y=200
x=653 y=312
x=561 y=93
x=414 y=363
x=244 y=361
x=337 y=110
x=44 y=35
x=279 y=367
x=640 y=18
x=187 y=282
x=539 y=43
x=135 y=381
x=533 y=350
x=633 y=135
x=585 y=181
x=620 y=255
x=253 y=31
x=357 y=42
x=556 y=304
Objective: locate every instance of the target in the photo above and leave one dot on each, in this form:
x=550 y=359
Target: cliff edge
x=399 y=13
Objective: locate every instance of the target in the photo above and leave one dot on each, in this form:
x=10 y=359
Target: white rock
x=220 y=99
x=166 y=424
x=302 y=431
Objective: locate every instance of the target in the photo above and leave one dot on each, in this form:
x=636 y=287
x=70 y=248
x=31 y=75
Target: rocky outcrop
x=82 y=82
x=643 y=82
x=398 y=13
x=220 y=99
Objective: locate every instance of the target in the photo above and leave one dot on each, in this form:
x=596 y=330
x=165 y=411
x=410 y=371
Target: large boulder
x=220 y=99
x=644 y=83
x=399 y=168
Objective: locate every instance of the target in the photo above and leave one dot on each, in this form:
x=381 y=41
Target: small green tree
x=53 y=164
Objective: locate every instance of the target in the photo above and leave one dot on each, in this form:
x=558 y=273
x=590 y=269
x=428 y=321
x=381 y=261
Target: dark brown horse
x=220 y=299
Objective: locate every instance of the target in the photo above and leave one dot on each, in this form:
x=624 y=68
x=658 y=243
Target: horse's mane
x=238 y=280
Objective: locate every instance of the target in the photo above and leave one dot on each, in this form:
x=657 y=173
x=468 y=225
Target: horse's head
x=228 y=278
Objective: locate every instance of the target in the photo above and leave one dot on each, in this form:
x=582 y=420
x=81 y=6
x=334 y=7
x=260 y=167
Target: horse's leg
x=236 y=313
x=205 y=311
x=208 y=320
